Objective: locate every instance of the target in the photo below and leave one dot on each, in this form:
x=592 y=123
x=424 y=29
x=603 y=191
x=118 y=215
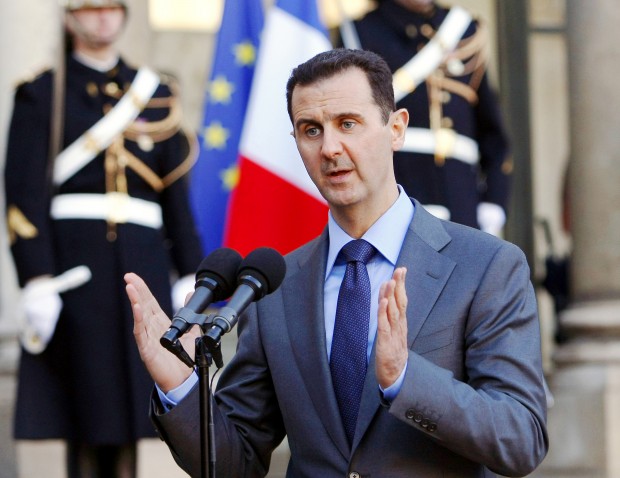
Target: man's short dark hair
x=329 y=63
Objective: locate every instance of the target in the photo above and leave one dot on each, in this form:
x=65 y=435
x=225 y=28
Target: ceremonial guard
x=455 y=159
x=112 y=199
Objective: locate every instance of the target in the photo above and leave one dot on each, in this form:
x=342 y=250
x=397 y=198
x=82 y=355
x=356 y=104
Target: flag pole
x=57 y=113
x=348 y=33
x=58 y=92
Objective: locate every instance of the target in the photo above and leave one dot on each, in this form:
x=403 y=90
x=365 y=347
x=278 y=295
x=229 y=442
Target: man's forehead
x=349 y=87
x=351 y=74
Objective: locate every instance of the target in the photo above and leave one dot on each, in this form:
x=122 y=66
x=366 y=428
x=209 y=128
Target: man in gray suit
x=453 y=386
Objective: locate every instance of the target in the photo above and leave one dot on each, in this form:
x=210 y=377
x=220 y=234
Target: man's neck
x=97 y=59
x=356 y=220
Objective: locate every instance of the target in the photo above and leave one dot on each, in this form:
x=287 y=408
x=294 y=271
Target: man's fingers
x=391 y=351
x=392 y=312
x=139 y=293
x=400 y=292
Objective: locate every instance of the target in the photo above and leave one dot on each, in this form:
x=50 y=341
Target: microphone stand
x=207 y=351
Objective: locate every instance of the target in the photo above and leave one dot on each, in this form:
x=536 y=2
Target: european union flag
x=216 y=173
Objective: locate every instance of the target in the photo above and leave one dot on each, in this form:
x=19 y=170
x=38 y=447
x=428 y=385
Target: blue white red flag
x=275 y=203
x=216 y=172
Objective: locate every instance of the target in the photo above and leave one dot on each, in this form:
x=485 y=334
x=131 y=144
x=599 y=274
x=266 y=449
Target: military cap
x=79 y=4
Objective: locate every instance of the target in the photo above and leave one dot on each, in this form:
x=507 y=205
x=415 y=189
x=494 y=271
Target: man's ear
x=398 y=122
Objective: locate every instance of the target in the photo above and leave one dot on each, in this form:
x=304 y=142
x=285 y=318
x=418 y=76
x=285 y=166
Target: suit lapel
x=303 y=304
x=427 y=273
x=370 y=401
x=428 y=270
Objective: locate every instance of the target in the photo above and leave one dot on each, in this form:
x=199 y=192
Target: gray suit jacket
x=472 y=400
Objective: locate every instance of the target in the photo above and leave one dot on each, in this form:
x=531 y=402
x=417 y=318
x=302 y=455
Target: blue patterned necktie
x=350 y=339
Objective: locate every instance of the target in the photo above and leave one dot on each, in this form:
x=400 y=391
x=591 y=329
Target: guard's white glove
x=491 y=217
x=180 y=289
x=41 y=304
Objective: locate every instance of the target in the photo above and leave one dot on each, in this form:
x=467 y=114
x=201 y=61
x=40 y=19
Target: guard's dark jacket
x=466 y=104
x=90 y=385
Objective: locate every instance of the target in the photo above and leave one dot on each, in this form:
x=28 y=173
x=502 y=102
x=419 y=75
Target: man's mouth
x=337 y=176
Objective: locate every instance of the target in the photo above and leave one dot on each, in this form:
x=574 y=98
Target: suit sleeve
x=248 y=422
x=496 y=415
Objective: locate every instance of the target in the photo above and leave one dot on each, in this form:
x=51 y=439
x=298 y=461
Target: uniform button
x=456 y=67
x=431 y=427
x=417 y=418
x=111 y=88
x=354 y=474
x=92 y=89
x=507 y=166
x=409 y=414
x=427 y=30
x=411 y=31
x=145 y=142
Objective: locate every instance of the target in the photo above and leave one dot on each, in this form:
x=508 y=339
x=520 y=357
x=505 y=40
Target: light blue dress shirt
x=387 y=235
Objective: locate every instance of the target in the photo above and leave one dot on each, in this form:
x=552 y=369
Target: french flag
x=275 y=203
x=226 y=99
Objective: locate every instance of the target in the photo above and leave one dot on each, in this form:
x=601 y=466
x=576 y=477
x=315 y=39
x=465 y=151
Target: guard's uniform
x=89 y=385
x=454 y=105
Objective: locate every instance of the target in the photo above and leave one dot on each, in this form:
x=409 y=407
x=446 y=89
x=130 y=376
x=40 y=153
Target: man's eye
x=312 y=131
x=348 y=124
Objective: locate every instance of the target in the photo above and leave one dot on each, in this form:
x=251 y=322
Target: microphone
x=215 y=281
x=260 y=273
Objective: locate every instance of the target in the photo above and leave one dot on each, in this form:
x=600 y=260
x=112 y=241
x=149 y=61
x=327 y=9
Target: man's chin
x=341 y=199
x=103 y=41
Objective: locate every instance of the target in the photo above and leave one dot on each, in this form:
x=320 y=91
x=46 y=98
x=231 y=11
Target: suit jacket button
x=354 y=474
x=431 y=427
x=417 y=418
x=409 y=414
x=425 y=422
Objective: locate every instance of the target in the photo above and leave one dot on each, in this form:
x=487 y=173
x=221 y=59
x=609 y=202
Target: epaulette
x=171 y=82
x=168 y=79
x=31 y=75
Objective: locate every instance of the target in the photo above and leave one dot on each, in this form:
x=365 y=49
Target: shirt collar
x=102 y=66
x=386 y=234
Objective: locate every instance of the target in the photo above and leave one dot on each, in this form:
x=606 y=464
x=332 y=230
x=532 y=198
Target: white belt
x=446 y=142
x=112 y=207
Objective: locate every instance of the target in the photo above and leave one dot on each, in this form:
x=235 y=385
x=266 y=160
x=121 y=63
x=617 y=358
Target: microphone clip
x=170 y=339
x=208 y=351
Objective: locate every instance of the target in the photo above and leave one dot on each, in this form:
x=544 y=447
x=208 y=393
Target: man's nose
x=332 y=144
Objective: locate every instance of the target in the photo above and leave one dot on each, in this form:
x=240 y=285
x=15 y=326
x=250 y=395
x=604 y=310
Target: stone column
x=584 y=423
x=29 y=31
x=28 y=37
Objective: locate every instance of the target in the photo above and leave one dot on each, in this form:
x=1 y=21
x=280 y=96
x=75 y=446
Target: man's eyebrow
x=351 y=114
x=303 y=121
x=346 y=114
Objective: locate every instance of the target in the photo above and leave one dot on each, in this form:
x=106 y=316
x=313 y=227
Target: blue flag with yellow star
x=215 y=173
